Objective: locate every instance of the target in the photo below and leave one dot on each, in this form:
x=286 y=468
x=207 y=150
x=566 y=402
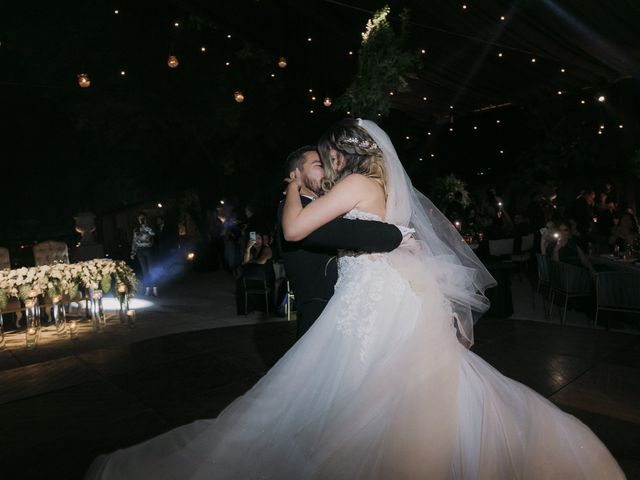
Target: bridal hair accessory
x=365 y=145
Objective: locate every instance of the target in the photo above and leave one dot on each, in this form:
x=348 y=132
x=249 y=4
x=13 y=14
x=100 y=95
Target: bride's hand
x=294 y=180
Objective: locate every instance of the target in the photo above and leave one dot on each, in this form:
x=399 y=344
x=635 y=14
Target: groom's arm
x=356 y=235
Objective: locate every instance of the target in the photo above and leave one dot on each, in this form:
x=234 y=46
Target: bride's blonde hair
x=361 y=154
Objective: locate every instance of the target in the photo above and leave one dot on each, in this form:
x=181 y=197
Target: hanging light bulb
x=83 y=80
x=327 y=102
x=172 y=61
x=282 y=62
x=238 y=96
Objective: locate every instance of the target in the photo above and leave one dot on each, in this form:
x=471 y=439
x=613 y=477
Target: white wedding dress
x=378 y=388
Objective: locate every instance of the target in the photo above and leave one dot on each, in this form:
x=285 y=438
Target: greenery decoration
x=444 y=188
x=65 y=279
x=383 y=67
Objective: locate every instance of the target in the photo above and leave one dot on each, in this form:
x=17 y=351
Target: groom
x=310 y=263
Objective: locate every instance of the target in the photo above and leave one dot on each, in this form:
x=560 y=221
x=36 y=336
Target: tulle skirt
x=378 y=388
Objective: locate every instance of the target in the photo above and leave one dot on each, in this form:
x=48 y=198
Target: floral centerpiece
x=65 y=279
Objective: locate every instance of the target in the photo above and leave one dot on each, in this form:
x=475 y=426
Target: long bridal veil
x=461 y=276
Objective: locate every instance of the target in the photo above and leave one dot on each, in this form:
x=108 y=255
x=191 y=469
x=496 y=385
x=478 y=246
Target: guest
x=258 y=250
x=582 y=211
x=566 y=250
x=547 y=238
x=142 y=247
x=625 y=233
x=605 y=214
x=455 y=209
x=535 y=211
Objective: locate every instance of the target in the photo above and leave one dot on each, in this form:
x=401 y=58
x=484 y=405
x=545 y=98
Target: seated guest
x=546 y=237
x=565 y=249
x=258 y=250
x=625 y=233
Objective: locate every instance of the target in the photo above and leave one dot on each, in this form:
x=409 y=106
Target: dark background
x=157 y=132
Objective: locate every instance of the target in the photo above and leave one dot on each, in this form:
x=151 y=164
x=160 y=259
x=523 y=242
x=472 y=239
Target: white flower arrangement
x=65 y=279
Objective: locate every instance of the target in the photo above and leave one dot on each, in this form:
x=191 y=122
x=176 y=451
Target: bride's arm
x=298 y=222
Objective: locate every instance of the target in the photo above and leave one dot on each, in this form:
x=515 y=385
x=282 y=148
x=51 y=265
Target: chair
x=46 y=253
x=500 y=248
x=255 y=281
x=543 y=264
x=5 y=259
x=570 y=282
x=617 y=291
x=522 y=258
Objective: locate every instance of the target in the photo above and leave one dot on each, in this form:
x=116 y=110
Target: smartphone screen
x=252 y=236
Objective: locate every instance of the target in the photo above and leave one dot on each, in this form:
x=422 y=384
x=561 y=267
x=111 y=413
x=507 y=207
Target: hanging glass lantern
x=172 y=61
x=83 y=80
x=238 y=96
x=282 y=62
x=327 y=101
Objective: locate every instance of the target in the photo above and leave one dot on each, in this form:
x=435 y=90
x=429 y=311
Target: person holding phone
x=258 y=249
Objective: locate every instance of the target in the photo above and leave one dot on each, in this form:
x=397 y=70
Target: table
x=615 y=263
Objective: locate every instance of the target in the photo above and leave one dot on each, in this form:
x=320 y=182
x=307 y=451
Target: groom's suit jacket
x=311 y=266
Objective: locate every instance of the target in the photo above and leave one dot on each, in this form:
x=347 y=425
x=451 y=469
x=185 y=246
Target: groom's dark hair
x=296 y=158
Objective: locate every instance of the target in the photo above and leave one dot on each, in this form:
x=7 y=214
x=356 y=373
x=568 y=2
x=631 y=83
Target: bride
x=381 y=386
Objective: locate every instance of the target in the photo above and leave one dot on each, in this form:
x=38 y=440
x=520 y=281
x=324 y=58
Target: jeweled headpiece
x=362 y=144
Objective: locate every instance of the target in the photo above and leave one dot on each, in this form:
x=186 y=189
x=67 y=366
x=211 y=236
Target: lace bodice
x=362 y=281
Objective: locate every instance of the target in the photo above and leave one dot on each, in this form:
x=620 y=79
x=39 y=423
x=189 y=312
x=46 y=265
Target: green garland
x=383 y=66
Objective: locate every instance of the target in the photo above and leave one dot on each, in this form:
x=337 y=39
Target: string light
x=475 y=127
x=176 y=24
x=273 y=75
x=433 y=155
x=203 y=49
x=500 y=54
x=533 y=60
x=420 y=159
x=172 y=61
x=313 y=98
x=116 y=12
x=350 y=52
x=501 y=152
x=123 y=73
x=601 y=98
x=309 y=39
x=559 y=92
x=582 y=102
x=348 y=113
x=226 y=64
x=450 y=107
x=424 y=99
x=228 y=35
x=429 y=133
x=621 y=126
x=464 y=6
x=311 y=90
x=503 y=18
x=310 y=111
x=238 y=96
x=451 y=129
x=408 y=137
x=423 y=51
x=84 y=81
x=562 y=70
x=497 y=121
x=282 y=62
x=391 y=93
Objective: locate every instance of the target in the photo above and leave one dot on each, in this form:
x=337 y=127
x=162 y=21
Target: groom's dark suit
x=310 y=263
